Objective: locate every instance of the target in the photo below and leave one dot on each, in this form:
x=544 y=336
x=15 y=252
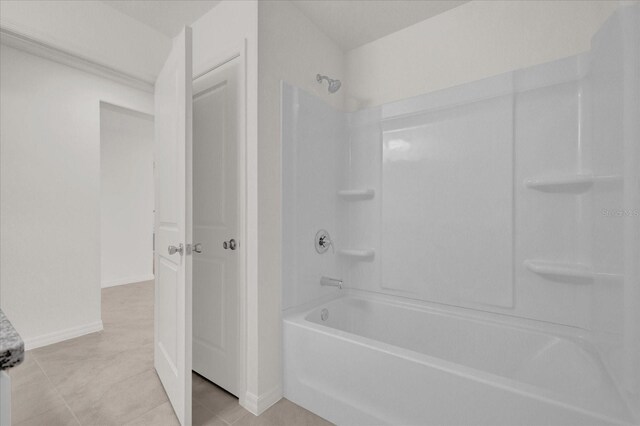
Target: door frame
x=247 y=210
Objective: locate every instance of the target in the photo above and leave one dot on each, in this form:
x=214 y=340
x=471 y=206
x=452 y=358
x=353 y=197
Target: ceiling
x=356 y=22
x=166 y=16
x=350 y=23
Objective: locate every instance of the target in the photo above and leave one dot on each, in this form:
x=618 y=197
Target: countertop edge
x=11 y=344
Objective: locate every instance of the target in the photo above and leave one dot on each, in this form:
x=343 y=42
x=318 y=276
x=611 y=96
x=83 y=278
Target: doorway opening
x=126 y=196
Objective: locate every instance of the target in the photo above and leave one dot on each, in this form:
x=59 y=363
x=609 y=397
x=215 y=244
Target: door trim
x=248 y=215
x=215 y=67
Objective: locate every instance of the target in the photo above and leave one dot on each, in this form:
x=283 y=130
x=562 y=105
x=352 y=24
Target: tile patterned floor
x=108 y=378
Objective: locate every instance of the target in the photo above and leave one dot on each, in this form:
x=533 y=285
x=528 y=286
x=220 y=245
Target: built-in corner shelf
x=356 y=194
x=361 y=254
x=575 y=272
x=573 y=183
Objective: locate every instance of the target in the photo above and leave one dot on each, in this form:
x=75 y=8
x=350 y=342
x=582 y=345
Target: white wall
x=50 y=191
x=470 y=42
x=221 y=31
x=90 y=29
x=292 y=49
x=126 y=195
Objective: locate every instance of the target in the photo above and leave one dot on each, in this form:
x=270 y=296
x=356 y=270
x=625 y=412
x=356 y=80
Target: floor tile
x=203 y=417
x=90 y=378
x=59 y=416
x=107 y=378
x=62 y=356
x=121 y=402
x=284 y=412
x=26 y=372
x=33 y=398
x=162 y=415
x=216 y=400
x=128 y=303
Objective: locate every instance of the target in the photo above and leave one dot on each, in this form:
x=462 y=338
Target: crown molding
x=12 y=37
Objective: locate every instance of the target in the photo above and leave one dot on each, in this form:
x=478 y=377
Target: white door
x=215 y=226
x=172 y=328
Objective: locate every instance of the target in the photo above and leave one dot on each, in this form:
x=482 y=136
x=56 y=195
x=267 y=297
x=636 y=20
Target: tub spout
x=332 y=282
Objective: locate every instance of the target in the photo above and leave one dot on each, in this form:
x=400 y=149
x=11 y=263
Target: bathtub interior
x=553 y=361
x=498 y=197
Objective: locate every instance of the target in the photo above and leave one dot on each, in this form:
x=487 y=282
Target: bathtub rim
x=575 y=334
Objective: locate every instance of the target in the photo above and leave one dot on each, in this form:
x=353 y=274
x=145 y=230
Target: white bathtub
x=380 y=360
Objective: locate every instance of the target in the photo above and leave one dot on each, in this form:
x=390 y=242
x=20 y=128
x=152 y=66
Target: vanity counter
x=11 y=344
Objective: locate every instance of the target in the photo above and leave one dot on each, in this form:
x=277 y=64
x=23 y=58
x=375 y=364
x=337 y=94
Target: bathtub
x=367 y=359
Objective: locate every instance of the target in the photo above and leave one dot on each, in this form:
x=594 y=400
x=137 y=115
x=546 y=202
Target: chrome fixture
x=197 y=248
x=324 y=314
x=174 y=249
x=334 y=85
x=231 y=244
x=331 y=282
x=323 y=241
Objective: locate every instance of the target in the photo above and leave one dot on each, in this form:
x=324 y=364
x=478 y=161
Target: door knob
x=197 y=248
x=231 y=244
x=174 y=249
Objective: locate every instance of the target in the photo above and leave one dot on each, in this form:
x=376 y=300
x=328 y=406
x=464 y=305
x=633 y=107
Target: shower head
x=334 y=85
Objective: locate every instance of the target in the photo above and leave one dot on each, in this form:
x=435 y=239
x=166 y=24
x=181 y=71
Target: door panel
x=167 y=292
x=208 y=306
x=215 y=168
x=173 y=318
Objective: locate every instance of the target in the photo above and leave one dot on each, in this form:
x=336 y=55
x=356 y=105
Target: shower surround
x=487 y=241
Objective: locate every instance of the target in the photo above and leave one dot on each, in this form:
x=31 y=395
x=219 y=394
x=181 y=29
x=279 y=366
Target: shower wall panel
x=453 y=219
x=314 y=158
x=447 y=202
x=615 y=110
x=552 y=219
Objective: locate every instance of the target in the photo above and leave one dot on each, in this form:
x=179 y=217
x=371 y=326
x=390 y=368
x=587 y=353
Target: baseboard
x=127 y=280
x=59 y=336
x=257 y=405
